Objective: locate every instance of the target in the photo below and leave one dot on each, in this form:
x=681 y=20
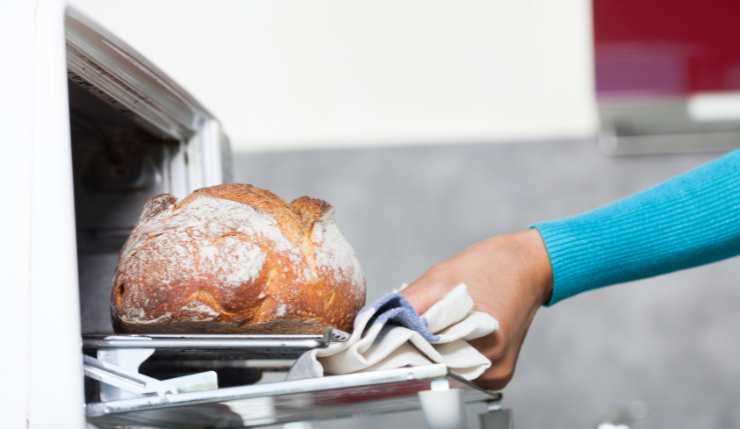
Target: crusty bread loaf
x=236 y=259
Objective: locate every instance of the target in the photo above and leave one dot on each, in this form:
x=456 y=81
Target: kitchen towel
x=390 y=334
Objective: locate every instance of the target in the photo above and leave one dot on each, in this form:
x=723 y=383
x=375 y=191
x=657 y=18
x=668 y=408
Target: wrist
x=536 y=264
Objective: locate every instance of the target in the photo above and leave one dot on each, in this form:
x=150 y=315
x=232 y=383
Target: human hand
x=508 y=277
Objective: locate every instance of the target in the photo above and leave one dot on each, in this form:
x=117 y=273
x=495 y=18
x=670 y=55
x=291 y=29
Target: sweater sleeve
x=689 y=220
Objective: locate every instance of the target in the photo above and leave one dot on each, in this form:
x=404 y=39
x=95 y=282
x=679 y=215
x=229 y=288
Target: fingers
x=496 y=378
x=502 y=370
x=423 y=293
x=430 y=288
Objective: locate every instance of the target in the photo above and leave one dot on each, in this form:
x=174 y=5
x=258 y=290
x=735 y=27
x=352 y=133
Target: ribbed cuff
x=566 y=249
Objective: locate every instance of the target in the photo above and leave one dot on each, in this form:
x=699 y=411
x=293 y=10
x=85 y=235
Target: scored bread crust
x=236 y=259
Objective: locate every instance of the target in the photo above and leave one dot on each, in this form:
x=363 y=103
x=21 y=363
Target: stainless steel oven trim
x=123 y=77
x=116 y=69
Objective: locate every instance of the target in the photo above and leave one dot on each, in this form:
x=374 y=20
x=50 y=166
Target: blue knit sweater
x=692 y=219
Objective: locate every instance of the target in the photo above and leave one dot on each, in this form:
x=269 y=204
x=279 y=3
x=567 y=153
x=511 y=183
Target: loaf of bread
x=236 y=259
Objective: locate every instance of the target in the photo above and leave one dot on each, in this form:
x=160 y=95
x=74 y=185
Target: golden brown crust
x=310 y=209
x=236 y=258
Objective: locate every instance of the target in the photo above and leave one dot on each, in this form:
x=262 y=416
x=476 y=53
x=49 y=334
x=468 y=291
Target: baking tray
x=328 y=397
x=220 y=347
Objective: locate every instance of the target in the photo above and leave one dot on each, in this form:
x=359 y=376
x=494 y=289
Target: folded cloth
x=390 y=334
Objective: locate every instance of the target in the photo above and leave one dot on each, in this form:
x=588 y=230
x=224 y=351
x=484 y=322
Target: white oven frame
x=42 y=356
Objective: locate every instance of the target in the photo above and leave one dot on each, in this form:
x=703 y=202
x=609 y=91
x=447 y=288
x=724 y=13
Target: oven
x=95 y=130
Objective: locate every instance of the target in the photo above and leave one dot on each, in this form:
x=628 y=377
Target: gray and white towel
x=390 y=334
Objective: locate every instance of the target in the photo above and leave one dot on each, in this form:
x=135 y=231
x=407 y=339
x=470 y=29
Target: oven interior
x=118 y=163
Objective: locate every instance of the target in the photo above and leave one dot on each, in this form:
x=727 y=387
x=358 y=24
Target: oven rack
x=442 y=395
x=129 y=398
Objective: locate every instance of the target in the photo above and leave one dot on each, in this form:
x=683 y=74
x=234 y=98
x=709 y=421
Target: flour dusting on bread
x=197 y=310
x=334 y=253
x=232 y=257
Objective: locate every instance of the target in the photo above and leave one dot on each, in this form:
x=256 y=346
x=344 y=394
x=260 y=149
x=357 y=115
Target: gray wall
x=668 y=344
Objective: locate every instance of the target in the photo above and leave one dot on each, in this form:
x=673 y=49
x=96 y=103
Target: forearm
x=690 y=220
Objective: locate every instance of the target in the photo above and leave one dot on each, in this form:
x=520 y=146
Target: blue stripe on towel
x=393 y=308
